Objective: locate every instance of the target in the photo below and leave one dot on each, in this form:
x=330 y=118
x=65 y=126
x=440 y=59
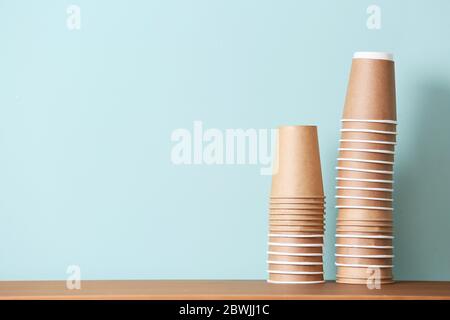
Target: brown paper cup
x=366 y=155
x=362 y=214
x=297 y=211
x=365 y=165
x=369 y=135
x=363 y=251
x=363 y=124
x=363 y=193
x=296 y=217
x=370 y=229
x=362 y=273
x=297 y=223
x=297 y=206
x=298 y=171
x=356 y=183
x=363 y=223
x=295 y=277
x=294 y=268
x=361 y=281
x=364 y=261
x=296 y=229
x=363 y=202
x=273 y=257
x=292 y=240
x=295 y=250
x=319 y=201
x=370 y=242
x=353 y=173
x=371 y=90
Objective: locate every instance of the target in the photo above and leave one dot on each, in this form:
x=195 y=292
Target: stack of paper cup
x=364 y=231
x=297 y=207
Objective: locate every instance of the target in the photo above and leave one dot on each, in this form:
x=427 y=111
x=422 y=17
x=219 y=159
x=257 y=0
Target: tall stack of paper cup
x=364 y=232
x=297 y=207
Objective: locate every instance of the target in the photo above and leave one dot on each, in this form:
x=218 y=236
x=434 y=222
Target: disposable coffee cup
x=365 y=233
x=295 y=217
x=363 y=183
x=354 y=154
x=297 y=250
x=363 y=251
x=297 y=223
x=364 y=261
x=364 y=223
x=363 y=214
x=348 y=144
x=363 y=124
x=313 y=201
x=358 y=164
x=295 y=229
x=371 y=89
x=342 y=229
x=295 y=268
x=313 y=212
x=361 y=192
x=295 y=277
x=289 y=258
x=295 y=254
x=297 y=163
x=362 y=281
x=362 y=203
x=363 y=273
x=290 y=240
x=355 y=173
x=376 y=135
x=297 y=206
x=368 y=242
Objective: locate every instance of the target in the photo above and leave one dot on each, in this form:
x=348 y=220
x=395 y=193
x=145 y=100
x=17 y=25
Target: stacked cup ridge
x=297 y=206
x=364 y=231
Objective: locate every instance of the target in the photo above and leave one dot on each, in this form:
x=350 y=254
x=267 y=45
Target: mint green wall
x=86 y=118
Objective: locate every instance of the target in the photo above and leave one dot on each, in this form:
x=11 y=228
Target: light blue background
x=86 y=118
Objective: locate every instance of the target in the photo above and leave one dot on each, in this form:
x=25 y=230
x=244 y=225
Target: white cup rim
x=354 y=265
x=393 y=143
x=370 y=121
x=343 y=235
x=370 y=131
x=366 y=161
x=367 y=150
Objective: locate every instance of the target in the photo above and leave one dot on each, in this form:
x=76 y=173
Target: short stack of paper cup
x=297 y=206
x=364 y=231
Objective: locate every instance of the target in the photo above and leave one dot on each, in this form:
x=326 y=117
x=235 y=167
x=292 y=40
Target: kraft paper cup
x=363 y=202
x=364 y=251
x=367 y=124
x=371 y=90
x=289 y=258
x=362 y=183
x=367 y=135
x=362 y=281
x=298 y=171
x=366 y=147
x=295 y=268
x=294 y=272
x=296 y=278
x=358 y=164
x=363 y=214
x=320 y=206
x=296 y=223
x=366 y=155
x=363 y=273
x=291 y=240
x=365 y=233
x=364 y=261
x=295 y=229
x=355 y=173
x=297 y=211
x=362 y=223
x=297 y=233
x=313 y=201
x=362 y=192
x=296 y=217
x=296 y=250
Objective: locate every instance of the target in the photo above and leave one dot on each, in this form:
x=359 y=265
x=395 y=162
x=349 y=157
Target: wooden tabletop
x=220 y=290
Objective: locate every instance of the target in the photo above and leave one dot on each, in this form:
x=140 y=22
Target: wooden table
x=220 y=290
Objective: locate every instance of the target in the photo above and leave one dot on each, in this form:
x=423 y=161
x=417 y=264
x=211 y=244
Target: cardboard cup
x=319 y=229
x=363 y=273
x=314 y=201
x=357 y=164
x=367 y=135
x=366 y=155
x=291 y=240
x=364 y=243
x=370 y=147
x=275 y=257
x=362 y=223
x=296 y=217
x=363 y=202
x=312 y=212
x=295 y=268
x=297 y=163
x=304 y=206
x=364 y=261
x=296 y=223
x=358 y=192
x=371 y=90
x=297 y=233
x=361 y=124
x=296 y=250
x=363 y=214
x=354 y=173
x=361 y=281
x=363 y=251
x=364 y=233
x=364 y=183
x=295 y=277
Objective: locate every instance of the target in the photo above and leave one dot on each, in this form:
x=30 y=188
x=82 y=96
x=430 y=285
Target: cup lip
x=366 y=207
x=295 y=282
x=300 y=245
x=281 y=235
x=391 y=143
x=365 y=256
x=384 y=121
x=305 y=273
x=365 y=170
x=370 y=131
x=365 y=189
x=366 y=160
x=275 y=253
x=374 y=55
x=364 y=198
x=365 y=180
x=293 y=263
x=356 y=265
x=343 y=235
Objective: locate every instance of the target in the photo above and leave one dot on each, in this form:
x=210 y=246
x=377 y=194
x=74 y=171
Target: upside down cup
x=297 y=169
